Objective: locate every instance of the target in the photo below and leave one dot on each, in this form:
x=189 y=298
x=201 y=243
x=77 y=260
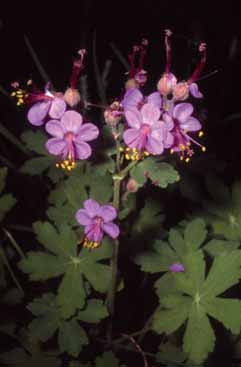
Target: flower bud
x=131 y=185
x=112 y=115
x=181 y=91
x=131 y=84
x=72 y=97
x=166 y=83
x=141 y=77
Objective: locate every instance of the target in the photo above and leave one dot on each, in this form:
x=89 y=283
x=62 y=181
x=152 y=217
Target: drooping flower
x=168 y=80
x=97 y=220
x=133 y=98
x=69 y=138
x=46 y=104
x=146 y=133
x=181 y=90
x=183 y=123
x=137 y=74
x=71 y=95
x=177 y=268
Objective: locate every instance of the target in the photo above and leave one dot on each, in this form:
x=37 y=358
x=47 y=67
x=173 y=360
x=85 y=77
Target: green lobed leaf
x=170 y=353
x=42 y=266
x=195 y=233
x=217 y=247
x=94 y=312
x=42 y=305
x=161 y=174
x=36 y=166
x=199 y=338
x=18 y=357
x=42 y=328
x=72 y=338
x=227 y=311
x=149 y=219
x=177 y=242
x=108 y=359
x=71 y=292
x=170 y=319
x=7 y=201
x=35 y=141
x=99 y=275
x=224 y=273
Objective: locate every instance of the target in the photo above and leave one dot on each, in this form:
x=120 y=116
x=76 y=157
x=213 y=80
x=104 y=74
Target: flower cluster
x=69 y=136
x=158 y=121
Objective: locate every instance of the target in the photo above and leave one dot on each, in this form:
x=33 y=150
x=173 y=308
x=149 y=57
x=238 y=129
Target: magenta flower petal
x=38 y=112
x=194 y=90
x=169 y=140
x=108 y=213
x=55 y=146
x=83 y=150
x=131 y=137
x=191 y=124
x=87 y=132
x=154 y=146
x=177 y=268
x=94 y=233
x=155 y=98
x=92 y=207
x=150 y=113
x=72 y=121
x=134 y=118
x=131 y=99
x=82 y=217
x=54 y=128
x=111 y=229
x=182 y=111
x=168 y=121
x=57 y=109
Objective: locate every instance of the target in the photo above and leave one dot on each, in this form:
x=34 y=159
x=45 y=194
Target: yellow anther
x=127 y=157
x=187 y=160
x=13 y=94
x=134 y=150
x=20 y=101
x=204 y=149
x=121 y=149
x=181 y=158
x=57 y=165
x=127 y=149
x=201 y=133
x=29 y=82
x=146 y=153
x=171 y=151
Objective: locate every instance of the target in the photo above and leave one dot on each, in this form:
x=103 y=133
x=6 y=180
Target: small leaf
x=94 y=312
x=195 y=233
x=71 y=338
x=36 y=166
x=198 y=329
x=108 y=359
x=44 y=327
x=224 y=273
x=42 y=266
x=217 y=247
x=35 y=141
x=7 y=201
x=71 y=293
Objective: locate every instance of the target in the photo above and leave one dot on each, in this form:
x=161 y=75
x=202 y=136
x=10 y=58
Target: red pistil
x=78 y=65
x=168 y=34
x=201 y=64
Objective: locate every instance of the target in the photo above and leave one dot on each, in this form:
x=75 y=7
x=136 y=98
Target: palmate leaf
x=163 y=254
x=50 y=317
x=217 y=247
x=108 y=359
x=170 y=353
x=194 y=298
x=161 y=174
x=63 y=260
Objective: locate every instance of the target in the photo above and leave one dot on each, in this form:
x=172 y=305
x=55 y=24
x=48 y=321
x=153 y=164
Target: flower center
x=68 y=162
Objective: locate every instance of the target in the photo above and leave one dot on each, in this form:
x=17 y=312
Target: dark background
x=57 y=31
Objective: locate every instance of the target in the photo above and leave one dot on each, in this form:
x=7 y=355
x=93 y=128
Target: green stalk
x=5 y=261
